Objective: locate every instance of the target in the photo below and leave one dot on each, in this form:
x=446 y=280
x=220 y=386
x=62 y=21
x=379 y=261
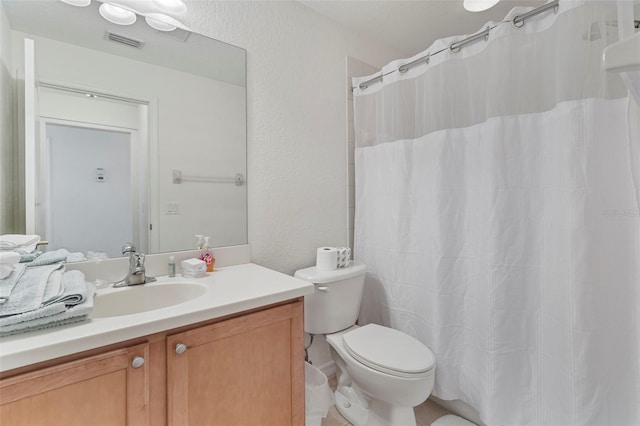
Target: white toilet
x=382 y=373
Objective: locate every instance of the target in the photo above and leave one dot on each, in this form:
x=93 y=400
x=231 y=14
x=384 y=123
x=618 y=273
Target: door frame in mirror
x=143 y=154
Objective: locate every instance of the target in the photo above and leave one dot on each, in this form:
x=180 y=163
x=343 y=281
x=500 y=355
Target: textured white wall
x=319 y=352
x=297 y=120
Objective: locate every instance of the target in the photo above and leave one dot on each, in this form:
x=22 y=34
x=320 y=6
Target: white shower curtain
x=497 y=213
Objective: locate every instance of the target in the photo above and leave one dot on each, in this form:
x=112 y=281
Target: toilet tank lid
x=322 y=277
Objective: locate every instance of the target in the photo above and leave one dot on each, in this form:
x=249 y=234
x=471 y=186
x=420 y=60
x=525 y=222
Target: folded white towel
x=194 y=264
x=19 y=242
x=9 y=258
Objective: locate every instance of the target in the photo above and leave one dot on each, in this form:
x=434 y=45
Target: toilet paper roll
x=327 y=259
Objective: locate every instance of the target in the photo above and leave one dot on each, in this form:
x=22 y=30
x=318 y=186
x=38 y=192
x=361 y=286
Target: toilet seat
x=389 y=351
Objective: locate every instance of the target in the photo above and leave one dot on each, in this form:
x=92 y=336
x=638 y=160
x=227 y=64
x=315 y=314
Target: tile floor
x=426 y=413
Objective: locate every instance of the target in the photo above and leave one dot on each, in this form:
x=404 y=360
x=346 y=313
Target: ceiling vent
x=123 y=40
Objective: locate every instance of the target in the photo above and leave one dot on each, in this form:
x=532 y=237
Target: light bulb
x=161 y=22
x=81 y=3
x=479 y=5
x=117 y=14
x=171 y=6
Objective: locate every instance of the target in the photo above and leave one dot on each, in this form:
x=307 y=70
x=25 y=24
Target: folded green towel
x=7 y=284
x=50 y=258
x=29 y=257
x=28 y=293
x=74 y=289
x=75 y=314
x=48 y=316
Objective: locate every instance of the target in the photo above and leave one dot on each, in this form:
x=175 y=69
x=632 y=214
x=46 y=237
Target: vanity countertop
x=229 y=290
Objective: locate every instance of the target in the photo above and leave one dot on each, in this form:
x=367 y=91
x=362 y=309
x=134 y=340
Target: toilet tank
x=335 y=302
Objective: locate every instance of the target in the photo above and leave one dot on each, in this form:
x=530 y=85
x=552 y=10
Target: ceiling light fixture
x=479 y=5
x=124 y=12
x=171 y=6
x=81 y=3
x=161 y=22
x=116 y=14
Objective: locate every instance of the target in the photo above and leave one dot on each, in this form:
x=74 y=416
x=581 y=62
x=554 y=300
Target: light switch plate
x=173 y=208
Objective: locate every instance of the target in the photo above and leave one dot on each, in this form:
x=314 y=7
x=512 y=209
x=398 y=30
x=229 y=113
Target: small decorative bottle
x=206 y=255
x=172 y=266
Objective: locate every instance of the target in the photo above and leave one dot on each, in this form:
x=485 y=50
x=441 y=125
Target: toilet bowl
x=381 y=373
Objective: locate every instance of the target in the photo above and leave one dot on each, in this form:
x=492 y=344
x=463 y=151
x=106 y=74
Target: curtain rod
x=517 y=21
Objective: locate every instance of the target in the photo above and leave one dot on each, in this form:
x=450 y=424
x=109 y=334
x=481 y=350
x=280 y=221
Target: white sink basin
x=143 y=298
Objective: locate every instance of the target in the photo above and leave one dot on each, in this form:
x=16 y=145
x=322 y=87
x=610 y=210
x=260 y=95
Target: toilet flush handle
x=322 y=288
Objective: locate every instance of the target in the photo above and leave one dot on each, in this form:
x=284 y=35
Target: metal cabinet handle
x=181 y=348
x=137 y=362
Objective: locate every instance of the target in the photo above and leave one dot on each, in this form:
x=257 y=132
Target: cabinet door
x=104 y=389
x=244 y=371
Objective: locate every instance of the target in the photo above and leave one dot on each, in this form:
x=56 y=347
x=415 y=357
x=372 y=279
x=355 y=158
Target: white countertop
x=229 y=290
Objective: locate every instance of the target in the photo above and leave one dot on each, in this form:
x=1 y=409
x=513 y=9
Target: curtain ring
x=455 y=47
x=406 y=67
x=516 y=22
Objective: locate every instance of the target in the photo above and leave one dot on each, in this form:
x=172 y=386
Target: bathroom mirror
x=139 y=134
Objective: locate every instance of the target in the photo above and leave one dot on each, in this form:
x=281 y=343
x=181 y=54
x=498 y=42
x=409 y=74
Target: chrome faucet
x=137 y=274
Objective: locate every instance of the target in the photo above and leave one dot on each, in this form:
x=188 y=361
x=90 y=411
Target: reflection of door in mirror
x=91 y=188
x=90 y=182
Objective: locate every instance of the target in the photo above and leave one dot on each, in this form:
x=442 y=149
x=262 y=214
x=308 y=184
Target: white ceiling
x=411 y=25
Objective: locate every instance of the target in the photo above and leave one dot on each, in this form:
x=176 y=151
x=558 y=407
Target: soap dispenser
x=206 y=255
x=200 y=243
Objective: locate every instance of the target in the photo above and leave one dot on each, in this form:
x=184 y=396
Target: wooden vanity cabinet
x=246 y=369
x=243 y=371
x=111 y=388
